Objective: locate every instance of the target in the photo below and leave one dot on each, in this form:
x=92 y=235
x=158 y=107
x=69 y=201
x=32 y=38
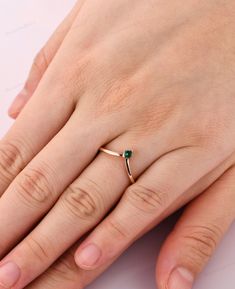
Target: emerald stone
x=127 y=154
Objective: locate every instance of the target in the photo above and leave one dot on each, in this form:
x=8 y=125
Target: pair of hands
x=152 y=76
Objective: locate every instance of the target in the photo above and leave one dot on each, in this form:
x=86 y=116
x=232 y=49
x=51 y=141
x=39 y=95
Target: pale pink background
x=24 y=27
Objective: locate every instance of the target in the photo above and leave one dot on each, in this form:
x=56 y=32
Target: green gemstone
x=127 y=154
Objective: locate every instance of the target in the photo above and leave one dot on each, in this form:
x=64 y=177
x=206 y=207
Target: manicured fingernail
x=9 y=275
x=89 y=256
x=18 y=103
x=181 y=278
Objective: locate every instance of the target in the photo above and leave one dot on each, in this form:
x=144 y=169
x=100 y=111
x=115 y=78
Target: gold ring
x=127 y=154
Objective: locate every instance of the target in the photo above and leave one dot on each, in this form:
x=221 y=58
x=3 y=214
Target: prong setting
x=127 y=154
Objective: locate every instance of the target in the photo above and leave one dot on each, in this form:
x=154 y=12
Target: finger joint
x=11 y=160
x=35 y=188
x=40 y=249
x=146 y=198
x=202 y=241
x=82 y=200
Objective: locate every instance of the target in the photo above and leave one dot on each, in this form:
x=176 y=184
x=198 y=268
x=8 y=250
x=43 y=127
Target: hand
x=88 y=109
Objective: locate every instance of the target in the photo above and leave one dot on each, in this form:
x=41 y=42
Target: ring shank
x=109 y=152
x=127 y=161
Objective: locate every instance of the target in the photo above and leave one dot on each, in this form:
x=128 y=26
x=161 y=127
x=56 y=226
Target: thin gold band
x=126 y=155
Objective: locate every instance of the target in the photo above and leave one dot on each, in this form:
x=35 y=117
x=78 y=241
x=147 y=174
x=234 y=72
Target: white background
x=24 y=27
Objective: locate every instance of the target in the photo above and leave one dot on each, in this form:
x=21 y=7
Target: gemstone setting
x=127 y=154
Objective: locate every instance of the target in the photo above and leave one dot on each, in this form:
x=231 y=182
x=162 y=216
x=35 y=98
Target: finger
x=79 y=209
x=159 y=191
x=64 y=273
x=197 y=234
x=42 y=61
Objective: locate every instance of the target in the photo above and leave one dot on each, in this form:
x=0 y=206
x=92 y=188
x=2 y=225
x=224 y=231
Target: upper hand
x=127 y=75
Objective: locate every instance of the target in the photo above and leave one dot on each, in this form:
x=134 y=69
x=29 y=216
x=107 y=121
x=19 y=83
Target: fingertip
x=12 y=113
x=9 y=275
x=88 y=257
x=167 y=262
x=181 y=278
x=18 y=104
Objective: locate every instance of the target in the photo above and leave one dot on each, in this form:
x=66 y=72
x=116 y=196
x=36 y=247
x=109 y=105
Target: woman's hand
x=153 y=77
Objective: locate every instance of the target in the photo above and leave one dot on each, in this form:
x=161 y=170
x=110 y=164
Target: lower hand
x=98 y=100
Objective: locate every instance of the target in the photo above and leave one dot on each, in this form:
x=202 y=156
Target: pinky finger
x=197 y=234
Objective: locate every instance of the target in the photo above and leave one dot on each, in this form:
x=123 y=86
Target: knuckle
x=209 y=133
x=39 y=248
x=34 y=187
x=145 y=198
x=11 y=160
x=152 y=120
x=82 y=200
x=202 y=241
x=116 y=95
x=77 y=75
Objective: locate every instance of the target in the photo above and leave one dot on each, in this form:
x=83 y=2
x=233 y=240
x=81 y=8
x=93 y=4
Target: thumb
x=196 y=235
x=42 y=61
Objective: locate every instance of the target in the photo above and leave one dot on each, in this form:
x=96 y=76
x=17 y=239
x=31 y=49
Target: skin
x=109 y=77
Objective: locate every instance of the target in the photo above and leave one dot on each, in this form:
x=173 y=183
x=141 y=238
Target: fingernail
x=18 y=103
x=9 y=274
x=181 y=278
x=89 y=256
